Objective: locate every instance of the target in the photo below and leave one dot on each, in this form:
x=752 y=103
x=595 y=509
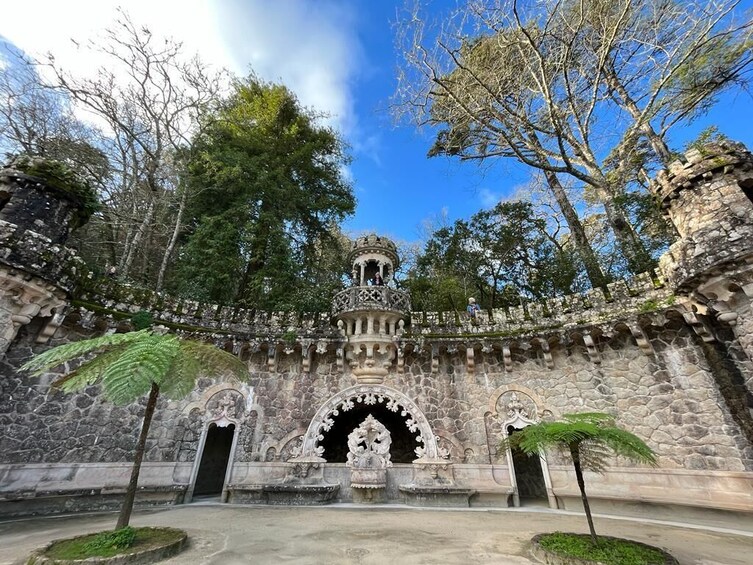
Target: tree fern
x=589 y=438
x=130 y=365
x=63 y=353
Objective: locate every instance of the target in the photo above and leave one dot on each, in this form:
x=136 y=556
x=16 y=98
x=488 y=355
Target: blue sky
x=338 y=56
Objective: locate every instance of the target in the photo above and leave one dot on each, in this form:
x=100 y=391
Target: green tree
x=589 y=90
x=589 y=439
x=130 y=365
x=496 y=256
x=270 y=190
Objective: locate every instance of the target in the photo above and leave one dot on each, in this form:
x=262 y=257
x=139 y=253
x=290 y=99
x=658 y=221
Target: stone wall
x=665 y=392
x=669 y=354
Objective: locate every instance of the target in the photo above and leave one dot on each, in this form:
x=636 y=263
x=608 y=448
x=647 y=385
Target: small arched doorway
x=215 y=456
x=529 y=476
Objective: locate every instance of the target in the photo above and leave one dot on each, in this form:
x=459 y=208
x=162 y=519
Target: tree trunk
x=657 y=143
x=173 y=240
x=125 y=512
x=575 y=454
x=131 y=252
x=631 y=247
x=259 y=242
x=586 y=252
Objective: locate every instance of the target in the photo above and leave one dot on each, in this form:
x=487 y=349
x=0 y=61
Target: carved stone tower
x=371 y=317
x=708 y=197
x=36 y=271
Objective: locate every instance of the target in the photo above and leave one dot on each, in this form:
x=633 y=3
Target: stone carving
x=369 y=395
x=369 y=445
x=225 y=408
x=291 y=449
x=517 y=409
x=369 y=454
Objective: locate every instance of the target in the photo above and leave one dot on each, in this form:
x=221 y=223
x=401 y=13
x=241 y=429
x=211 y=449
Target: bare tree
x=35 y=120
x=559 y=85
x=151 y=97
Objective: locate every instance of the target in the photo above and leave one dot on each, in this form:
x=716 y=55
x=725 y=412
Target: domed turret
x=372 y=254
x=370 y=313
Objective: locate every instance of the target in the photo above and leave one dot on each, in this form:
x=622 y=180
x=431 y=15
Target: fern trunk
x=575 y=454
x=125 y=512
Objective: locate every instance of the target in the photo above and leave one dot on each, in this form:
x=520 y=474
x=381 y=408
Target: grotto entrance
x=404 y=442
x=529 y=475
x=214 y=460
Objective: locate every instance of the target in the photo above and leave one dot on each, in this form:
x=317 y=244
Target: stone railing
x=370 y=298
x=640 y=294
x=113 y=298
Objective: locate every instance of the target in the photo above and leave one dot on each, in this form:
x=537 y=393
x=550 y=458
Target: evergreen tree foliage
x=498 y=256
x=270 y=191
x=129 y=365
x=589 y=439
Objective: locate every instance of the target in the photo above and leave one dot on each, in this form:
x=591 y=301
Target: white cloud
x=310 y=46
x=489 y=198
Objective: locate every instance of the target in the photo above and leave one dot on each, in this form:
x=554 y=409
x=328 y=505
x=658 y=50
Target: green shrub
x=105 y=542
x=609 y=551
x=142 y=320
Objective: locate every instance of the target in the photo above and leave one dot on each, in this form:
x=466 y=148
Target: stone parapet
x=698 y=165
x=109 y=296
x=362 y=298
x=643 y=293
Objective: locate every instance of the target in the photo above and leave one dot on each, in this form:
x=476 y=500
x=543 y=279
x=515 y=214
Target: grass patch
x=108 y=544
x=609 y=551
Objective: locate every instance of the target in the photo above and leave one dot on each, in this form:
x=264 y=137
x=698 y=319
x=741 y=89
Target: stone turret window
x=747 y=188
x=4 y=198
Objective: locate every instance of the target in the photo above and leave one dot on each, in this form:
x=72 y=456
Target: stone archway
x=391 y=399
x=223 y=413
x=518 y=409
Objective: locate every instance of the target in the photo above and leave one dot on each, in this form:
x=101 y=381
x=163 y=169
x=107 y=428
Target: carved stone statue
x=369 y=445
x=369 y=454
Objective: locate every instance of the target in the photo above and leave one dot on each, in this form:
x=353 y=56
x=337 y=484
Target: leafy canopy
x=496 y=256
x=127 y=364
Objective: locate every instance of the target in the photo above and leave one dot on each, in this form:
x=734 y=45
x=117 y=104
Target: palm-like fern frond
x=142 y=363
x=88 y=372
x=128 y=364
x=213 y=359
x=63 y=353
x=182 y=376
x=594 y=434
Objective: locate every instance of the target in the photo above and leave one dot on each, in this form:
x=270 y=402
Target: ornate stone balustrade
x=370 y=298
